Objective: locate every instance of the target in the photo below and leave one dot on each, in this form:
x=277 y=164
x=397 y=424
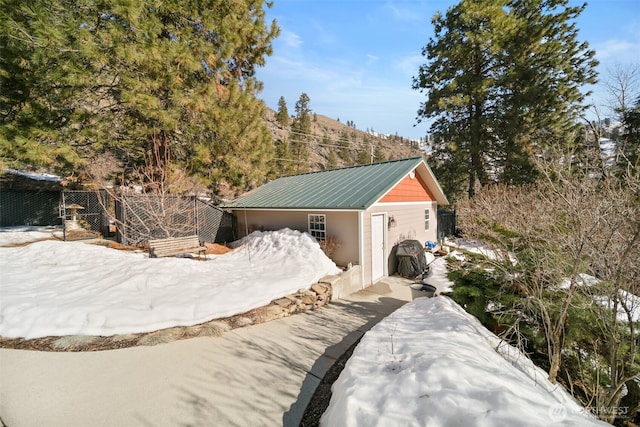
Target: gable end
x=409 y=190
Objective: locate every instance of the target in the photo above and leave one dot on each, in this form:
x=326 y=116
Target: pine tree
x=283 y=114
x=284 y=165
x=38 y=74
x=301 y=129
x=364 y=157
x=502 y=77
x=547 y=66
x=345 y=148
x=332 y=159
x=129 y=76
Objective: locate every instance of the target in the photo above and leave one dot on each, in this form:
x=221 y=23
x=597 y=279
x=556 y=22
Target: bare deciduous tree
x=622 y=84
x=156 y=201
x=571 y=226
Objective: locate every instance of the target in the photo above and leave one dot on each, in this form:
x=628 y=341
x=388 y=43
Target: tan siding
x=344 y=227
x=341 y=225
x=409 y=219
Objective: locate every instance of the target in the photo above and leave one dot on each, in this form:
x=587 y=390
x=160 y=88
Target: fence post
x=195 y=216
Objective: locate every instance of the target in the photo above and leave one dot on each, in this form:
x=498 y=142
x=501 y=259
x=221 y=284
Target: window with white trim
x=426 y=219
x=317 y=226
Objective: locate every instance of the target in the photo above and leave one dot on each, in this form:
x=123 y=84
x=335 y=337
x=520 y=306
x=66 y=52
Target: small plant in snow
x=329 y=246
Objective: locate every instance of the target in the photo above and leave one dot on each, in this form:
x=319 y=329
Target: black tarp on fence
x=29 y=207
x=138 y=217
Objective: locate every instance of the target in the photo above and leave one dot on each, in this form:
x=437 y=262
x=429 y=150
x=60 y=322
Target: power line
x=338 y=140
x=357 y=145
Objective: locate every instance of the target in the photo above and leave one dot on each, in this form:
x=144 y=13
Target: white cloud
x=614 y=49
x=322 y=36
x=290 y=39
x=371 y=59
x=409 y=64
x=404 y=13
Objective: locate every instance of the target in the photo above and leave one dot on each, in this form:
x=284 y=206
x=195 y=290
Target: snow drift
x=432 y=364
x=53 y=288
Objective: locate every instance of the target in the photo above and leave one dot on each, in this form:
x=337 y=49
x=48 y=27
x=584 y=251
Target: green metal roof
x=356 y=187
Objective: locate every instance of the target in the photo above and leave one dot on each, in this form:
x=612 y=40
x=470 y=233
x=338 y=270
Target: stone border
x=303 y=300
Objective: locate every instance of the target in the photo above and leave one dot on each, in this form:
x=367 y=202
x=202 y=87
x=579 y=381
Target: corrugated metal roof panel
x=356 y=187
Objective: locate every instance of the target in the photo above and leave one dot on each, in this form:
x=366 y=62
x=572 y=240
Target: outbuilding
x=358 y=213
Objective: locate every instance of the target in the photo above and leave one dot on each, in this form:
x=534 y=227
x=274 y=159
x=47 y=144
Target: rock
x=294 y=309
x=242 y=321
x=320 y=288
x=308 y=299
x=283 y=302
x=330 y=280
x=273 y=312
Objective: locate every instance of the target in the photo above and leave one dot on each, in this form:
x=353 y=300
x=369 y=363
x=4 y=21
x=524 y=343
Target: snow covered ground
x=432 y=364
x=10 y=236
x=438 y=275
x=429 y=363
x=55 y=288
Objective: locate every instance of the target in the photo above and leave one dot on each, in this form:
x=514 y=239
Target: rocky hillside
x=331 y=135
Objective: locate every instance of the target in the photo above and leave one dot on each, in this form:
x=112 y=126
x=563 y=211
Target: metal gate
x=446 y=223
x=88 y=208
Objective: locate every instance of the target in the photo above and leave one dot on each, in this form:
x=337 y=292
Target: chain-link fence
x=214 y=224
x=24 y=207
x=446 y=223
x=137 y=218
x=141 y=217
x=89 y=209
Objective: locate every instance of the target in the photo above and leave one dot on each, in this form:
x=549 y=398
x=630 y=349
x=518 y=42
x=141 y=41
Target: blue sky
x=356 y=58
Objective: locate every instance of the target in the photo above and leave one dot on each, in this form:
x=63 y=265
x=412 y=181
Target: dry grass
x=162 y=336
x=213 y=329
x=70 y=342
x=216 y=249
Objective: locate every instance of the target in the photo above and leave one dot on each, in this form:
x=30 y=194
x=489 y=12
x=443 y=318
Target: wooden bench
x=175 y=246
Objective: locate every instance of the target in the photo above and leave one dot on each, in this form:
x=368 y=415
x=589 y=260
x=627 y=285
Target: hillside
x=348 y=145
x=332 y=135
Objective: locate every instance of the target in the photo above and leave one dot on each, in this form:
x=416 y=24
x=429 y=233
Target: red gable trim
x=409 y=190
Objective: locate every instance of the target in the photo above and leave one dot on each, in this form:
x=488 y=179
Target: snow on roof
x=34 y=175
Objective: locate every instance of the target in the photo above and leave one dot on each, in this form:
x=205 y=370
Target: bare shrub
x=152 y=201
x=572 y=225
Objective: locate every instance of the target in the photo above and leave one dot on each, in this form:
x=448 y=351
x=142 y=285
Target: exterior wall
x=342 y=225
x=409 y=224
x=409 y=221
x=409 y=190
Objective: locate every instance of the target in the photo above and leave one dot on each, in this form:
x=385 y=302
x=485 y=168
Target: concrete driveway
x=262 y=375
